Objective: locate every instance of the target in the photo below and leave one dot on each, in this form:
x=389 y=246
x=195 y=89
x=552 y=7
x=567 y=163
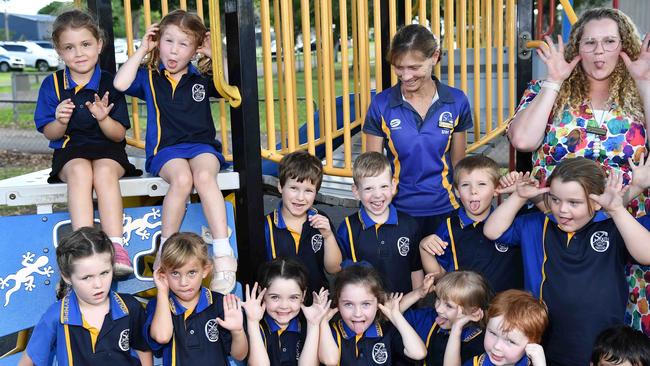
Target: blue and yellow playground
x=278 y=97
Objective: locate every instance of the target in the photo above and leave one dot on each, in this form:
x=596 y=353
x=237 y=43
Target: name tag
x=597 y=131
x=446 y=124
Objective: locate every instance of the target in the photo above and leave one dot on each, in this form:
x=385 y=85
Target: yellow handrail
x=230 y=92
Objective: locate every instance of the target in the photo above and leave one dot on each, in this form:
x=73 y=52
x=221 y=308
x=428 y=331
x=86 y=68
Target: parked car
x=46 y=45
x=120 y=50
x=9 y=63
x=34 y=55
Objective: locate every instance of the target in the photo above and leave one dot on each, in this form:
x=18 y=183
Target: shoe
x=123 y=266
x=224 y=275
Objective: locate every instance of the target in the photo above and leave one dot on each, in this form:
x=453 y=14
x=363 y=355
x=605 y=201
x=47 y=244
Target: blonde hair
x=369 y=164
x=181 y=248
x=467 y=289
x=575 y=89
x=477 y=162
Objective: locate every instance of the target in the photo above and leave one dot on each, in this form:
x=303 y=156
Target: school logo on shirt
x=211 y=330
x=316 y=242
x=403 y=246
x=395 y=123
x=123 y=343
x=599 y=241
x=379 y=353
x=198 y=92
x=446 y=120
x=500 y=247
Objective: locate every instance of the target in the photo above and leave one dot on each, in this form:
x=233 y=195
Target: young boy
x=296 y=229
x=621 y=345
x=516 y=323
x=475 y=181
x=378 y=233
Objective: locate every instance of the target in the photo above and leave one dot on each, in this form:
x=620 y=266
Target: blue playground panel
x=28 y=270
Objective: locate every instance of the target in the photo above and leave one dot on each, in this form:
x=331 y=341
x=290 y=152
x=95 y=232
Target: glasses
x=609 y=44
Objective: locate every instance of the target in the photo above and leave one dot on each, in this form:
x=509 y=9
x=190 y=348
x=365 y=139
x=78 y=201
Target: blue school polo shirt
x=435 y=338
x=380 y=344
x=484 y=360
x=283 y=346
x=175 y=114
x=310 y=248
x=60 y=333
x=419 y=150
x=197 y=340
x=83 y=128
x=392 y=247
x=579 y=275
x=470 y=250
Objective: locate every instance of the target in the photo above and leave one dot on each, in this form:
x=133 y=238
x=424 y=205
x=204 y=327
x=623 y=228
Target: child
x=516 y=323
x=621 y=345
x=296 y=229
x=191 y=324
x=90 y=324
x=360 y=337
x=378 y=233
x=86 y=132
x=476 y=180
x=462 y=297
x=574 y=257
x=180 y=145
x=279 y=332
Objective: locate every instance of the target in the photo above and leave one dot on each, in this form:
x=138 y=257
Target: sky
x=24 y=6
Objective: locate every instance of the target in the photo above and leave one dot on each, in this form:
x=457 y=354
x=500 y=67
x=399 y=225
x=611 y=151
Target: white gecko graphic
x=141 y=226
x=25 y=275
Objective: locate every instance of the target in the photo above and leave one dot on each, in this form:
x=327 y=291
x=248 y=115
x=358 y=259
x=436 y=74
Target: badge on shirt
x=379 y=353
x=446 y=121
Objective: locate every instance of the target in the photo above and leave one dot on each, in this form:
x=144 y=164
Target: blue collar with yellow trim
x=484 y=360
x=465 y=220
x=71 y=313
x=205 y=300
x=374 y=331
x=395 y=98
x=92 y=84
x=367 y=222
x=469 y=332
x=191 y=69
x=278 y=219
x=294 y=324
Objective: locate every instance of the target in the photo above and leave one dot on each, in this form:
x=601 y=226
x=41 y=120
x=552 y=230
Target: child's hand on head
x=160 y=280
x=63 y=111
x=149 y=41
x=528 y=187
x=321 y=223
x=508 y=181
x=206 y=47
x=433 y=245
x=391 y=307
x=100 y=107
x=315 y=313
x=536 y=354
x=428 y=285
x=233 y=317
x=253 y=305
x=463 y=319
x=612 y=198
x=640 y=172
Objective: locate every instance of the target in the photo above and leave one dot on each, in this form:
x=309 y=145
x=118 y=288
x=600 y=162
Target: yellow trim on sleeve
x=350 y=239
x=541 y=285
x=338 y=342
x=173 y=350
x=56 y=86
x=453 y=243
x=155 y=103
x=435 y=325
x=391 y=147
x=268 y=219
x=65 y=141
x=68 y=346
x=445 y=172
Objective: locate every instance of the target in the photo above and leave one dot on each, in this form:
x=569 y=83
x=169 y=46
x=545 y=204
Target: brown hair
x=477 y=162
x=575 y=89
x=181 y=248
x=81 y=243
x=412 y=37
x=287 y=268
x=587 y=173
x=467 y=289
x=369 y=164
x=301 y=166
x=75 y=19
x=358 y=274
x=521 y=311
x=189 y=23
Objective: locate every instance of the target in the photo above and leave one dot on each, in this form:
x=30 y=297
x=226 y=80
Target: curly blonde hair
x=575 y=89
x=189 y=23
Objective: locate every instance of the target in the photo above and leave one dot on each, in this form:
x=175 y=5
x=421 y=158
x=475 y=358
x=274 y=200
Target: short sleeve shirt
x=379 y=345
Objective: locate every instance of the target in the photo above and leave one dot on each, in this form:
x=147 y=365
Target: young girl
x=87 y=308
x=188 y=322
x=361 y=336
x=462 y=297
x=279 y=332
x=180 y=144
x=86 y=120
x=574 y=257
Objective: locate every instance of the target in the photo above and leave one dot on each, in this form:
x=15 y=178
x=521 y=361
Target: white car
x=120 y=50
x=8 y=62
x=34 y=55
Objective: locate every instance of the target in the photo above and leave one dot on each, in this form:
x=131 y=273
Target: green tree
x=55 y=7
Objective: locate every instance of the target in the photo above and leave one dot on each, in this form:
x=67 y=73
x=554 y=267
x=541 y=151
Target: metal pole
x=526 y=21
x=102 y=11
x=245 y=126
x=6 y=21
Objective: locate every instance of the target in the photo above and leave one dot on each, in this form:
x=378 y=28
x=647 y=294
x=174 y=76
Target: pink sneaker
x=123 y=266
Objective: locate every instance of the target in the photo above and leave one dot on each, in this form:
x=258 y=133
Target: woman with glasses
x=594 y=103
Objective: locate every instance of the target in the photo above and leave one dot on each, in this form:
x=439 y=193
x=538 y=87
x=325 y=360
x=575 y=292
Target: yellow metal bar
x=147 y=13
x=379 y=59
x=287 y=55
x=476 y=11
x=183 y=4
x=568 y=9
x=470 y=23
x=456 y=14
x=499 y=16
x=309 y=93
x=355 y=60
x=392 y=29
x=365 y=63
x=279 y=61
x=463 y=44
x=228 y=91
x=77 y=3
x=129 y=51
x=488 y=66
x=165 y=8
x=21 y=343
x=536 y=44
x=449 y=38
x=408 y=12
x=345 y=78
x=487 y=138
x=333 y=91
x=327 y=70
x=422 y=12
x=267 y=63
x=223 y=122
x=510 y=24
x=435 y=27
x=293 y=67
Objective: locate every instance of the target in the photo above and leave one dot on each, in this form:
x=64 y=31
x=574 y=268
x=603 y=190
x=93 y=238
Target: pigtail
x=62 y=289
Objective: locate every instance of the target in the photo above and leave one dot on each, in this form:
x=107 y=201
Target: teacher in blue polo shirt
x=422 y=124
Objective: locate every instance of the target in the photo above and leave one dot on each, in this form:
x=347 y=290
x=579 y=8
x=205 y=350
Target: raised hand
x=160 y=280
x=640 y=172
x=536 y=354
x=558 y=69
x=321 y=223
x=427 y=285
x=612 y=198
x=63 y=111
x=150 y=38
x=433 y=245
x=233 y=317
x=315 y=313
x=100 y=107
x=463 y=319
x=528 y=187
x=391 y=307
x=253 y=305
x=508 y=181
x=639 y=69
x=206 y=47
